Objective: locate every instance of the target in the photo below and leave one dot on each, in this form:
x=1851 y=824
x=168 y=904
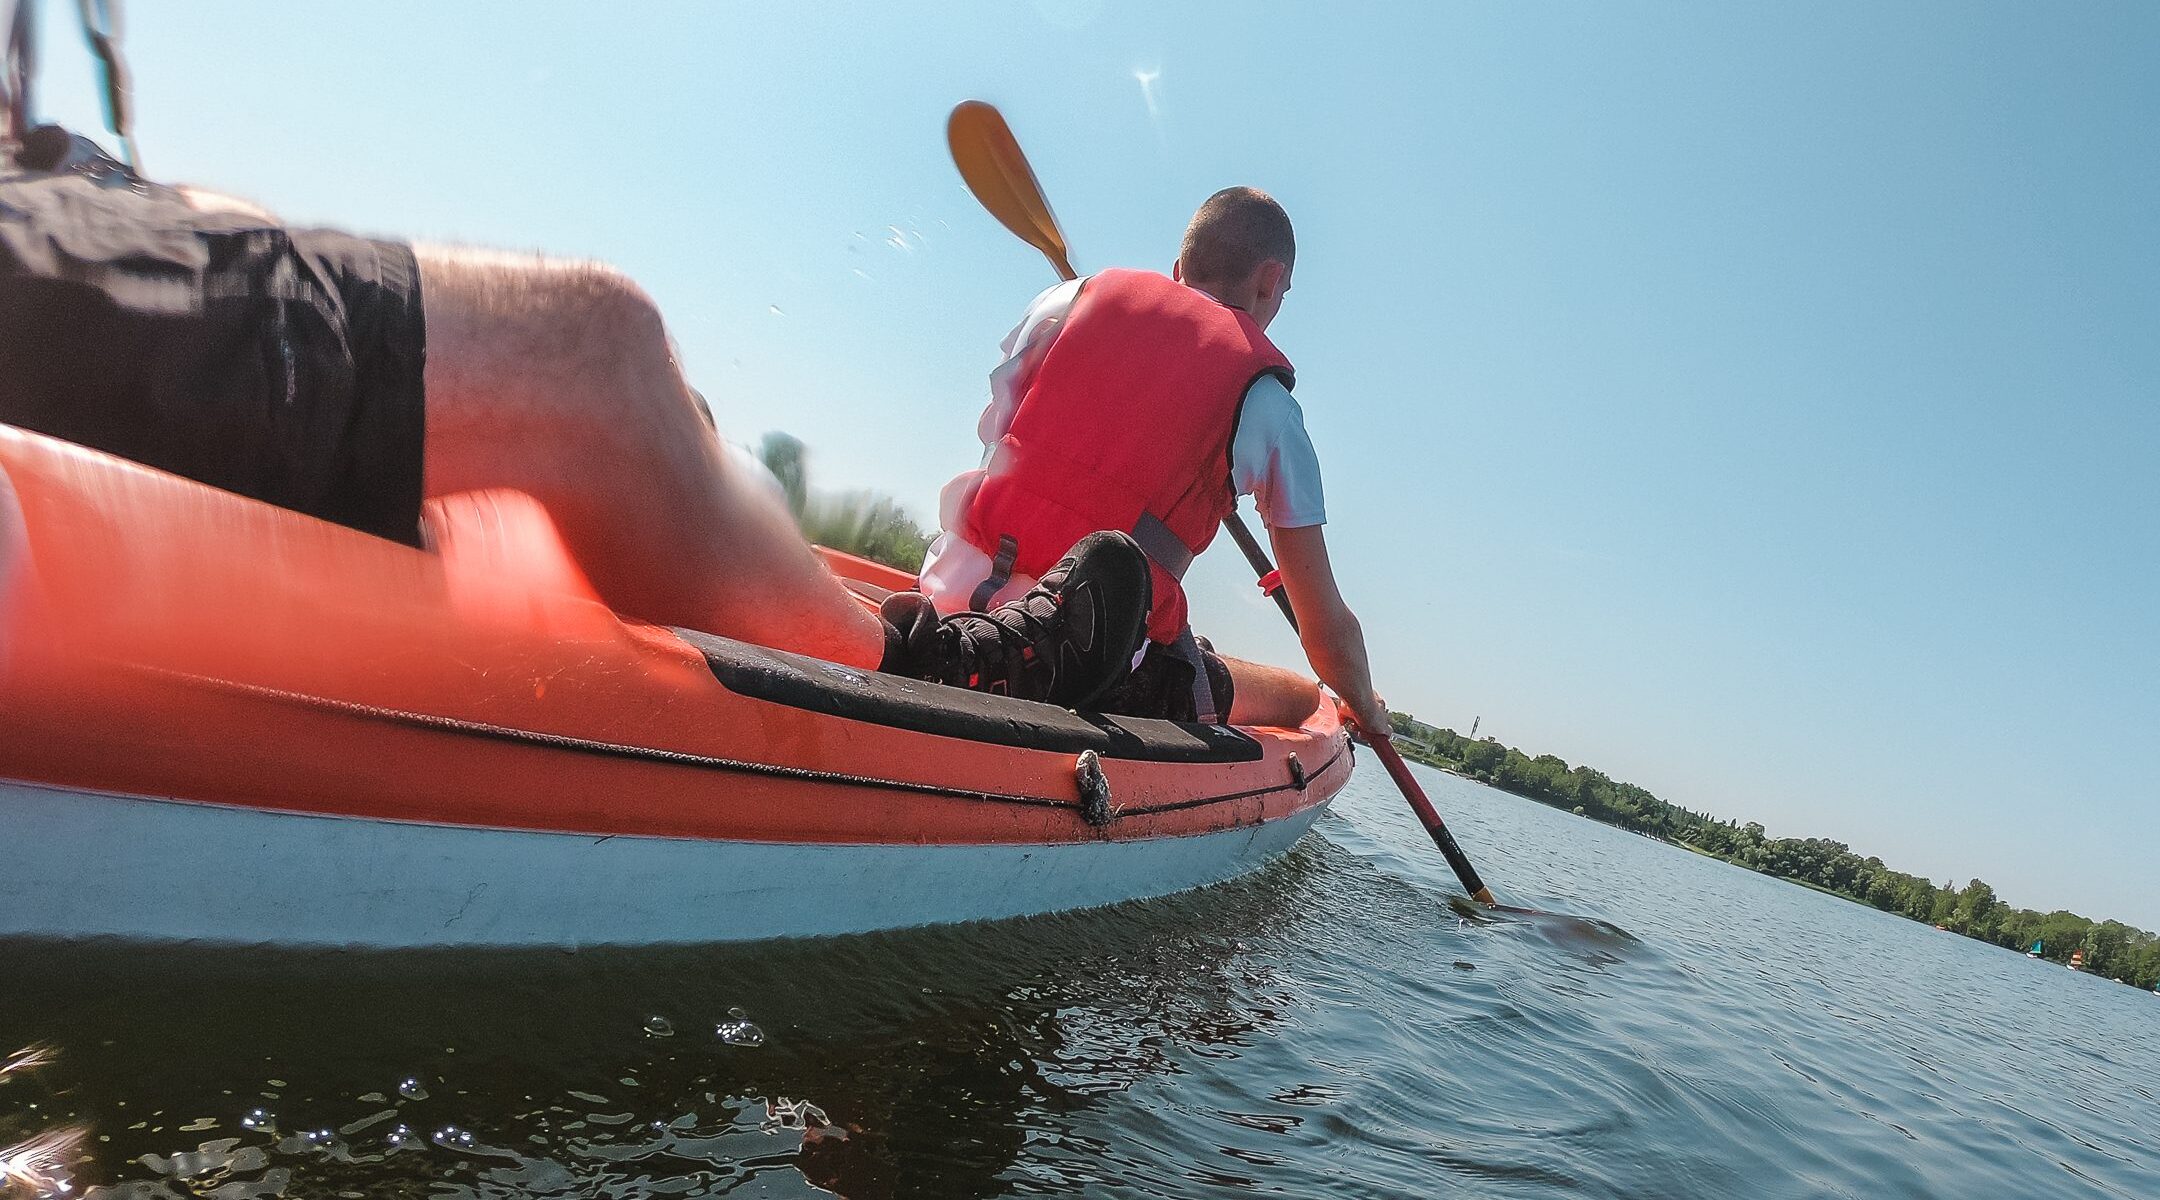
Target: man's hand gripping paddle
x=989 y=158
x=1383 y=745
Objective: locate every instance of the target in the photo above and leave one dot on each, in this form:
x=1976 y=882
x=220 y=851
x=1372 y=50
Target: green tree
x=860 y=523
x=1483 y=756
x=788 y=460
x=2111 y=948
x=1977 y=912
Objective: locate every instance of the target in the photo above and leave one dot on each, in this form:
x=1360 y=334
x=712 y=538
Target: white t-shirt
x=1271 y=458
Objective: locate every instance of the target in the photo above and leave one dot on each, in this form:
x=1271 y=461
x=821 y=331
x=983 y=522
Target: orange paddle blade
x=989 y=158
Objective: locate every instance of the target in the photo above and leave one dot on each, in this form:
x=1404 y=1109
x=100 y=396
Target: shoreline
x=1973 y=911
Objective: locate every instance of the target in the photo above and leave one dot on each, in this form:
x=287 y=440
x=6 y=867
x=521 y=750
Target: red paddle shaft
x=1379 y=740
x=1384 y=747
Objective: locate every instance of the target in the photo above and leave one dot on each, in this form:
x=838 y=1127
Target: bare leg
x=1265 y=695
x=555 y=378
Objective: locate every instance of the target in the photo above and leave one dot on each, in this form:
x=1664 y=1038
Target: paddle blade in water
x=1560 y=928
x=989 y=158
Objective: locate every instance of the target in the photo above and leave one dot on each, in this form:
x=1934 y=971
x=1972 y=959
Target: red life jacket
x=1126 y=425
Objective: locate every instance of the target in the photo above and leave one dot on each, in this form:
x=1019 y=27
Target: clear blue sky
x=1756 y=402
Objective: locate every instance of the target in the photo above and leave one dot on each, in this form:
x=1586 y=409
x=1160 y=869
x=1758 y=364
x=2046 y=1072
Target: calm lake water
x=1327 y=1027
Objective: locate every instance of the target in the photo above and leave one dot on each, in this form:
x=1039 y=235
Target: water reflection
x=888 y=1065
x=39 y=1166
x=1328 y=1027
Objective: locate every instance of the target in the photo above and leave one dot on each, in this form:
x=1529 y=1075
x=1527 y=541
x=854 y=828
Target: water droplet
x=260 y=1120
x=659 y=1027
x=739 y=1031
x=451 y=1135
x=411 y=1090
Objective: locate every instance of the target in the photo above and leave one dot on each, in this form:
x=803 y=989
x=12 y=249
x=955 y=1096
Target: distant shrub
x=859 y=522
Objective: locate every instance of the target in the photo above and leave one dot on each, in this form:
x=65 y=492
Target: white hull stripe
x=86 y=865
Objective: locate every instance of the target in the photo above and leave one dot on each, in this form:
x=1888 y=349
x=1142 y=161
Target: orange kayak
x=224 y=721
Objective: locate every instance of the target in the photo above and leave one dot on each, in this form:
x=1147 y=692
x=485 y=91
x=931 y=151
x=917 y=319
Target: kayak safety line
x=559 y=741
x=1298 y=783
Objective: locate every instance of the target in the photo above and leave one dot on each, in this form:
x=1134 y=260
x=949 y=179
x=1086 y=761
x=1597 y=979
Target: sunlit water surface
x=1326 y=1027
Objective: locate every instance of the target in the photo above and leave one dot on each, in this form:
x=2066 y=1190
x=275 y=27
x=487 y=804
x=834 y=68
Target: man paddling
x=1130 y=400
x=350 y=378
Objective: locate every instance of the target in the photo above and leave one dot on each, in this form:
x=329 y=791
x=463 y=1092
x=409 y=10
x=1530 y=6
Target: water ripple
x=1331 y=1026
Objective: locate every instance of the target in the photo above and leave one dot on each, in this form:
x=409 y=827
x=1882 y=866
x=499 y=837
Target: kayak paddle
x=1383 y=744
x=989 y=158
x=995 y=169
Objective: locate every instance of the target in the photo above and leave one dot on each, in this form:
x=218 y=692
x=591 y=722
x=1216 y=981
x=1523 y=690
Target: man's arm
x=1334 y=641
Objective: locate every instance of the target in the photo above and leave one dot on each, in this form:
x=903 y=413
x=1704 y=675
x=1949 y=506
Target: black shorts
x=282 y=364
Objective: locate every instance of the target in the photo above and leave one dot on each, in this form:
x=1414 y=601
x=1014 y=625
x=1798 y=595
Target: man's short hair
x=1235 y=231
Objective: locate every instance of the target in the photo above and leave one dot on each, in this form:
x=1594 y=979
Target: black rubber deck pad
x=798 y=681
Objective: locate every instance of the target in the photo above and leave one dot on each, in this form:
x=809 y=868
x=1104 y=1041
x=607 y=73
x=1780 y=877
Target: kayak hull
x=160 y=870
x=228 y=722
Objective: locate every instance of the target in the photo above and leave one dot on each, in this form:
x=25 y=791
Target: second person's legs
x=556 y=378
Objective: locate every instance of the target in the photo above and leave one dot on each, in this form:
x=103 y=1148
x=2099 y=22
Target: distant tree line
x=2111 y=948
x=860 y=523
